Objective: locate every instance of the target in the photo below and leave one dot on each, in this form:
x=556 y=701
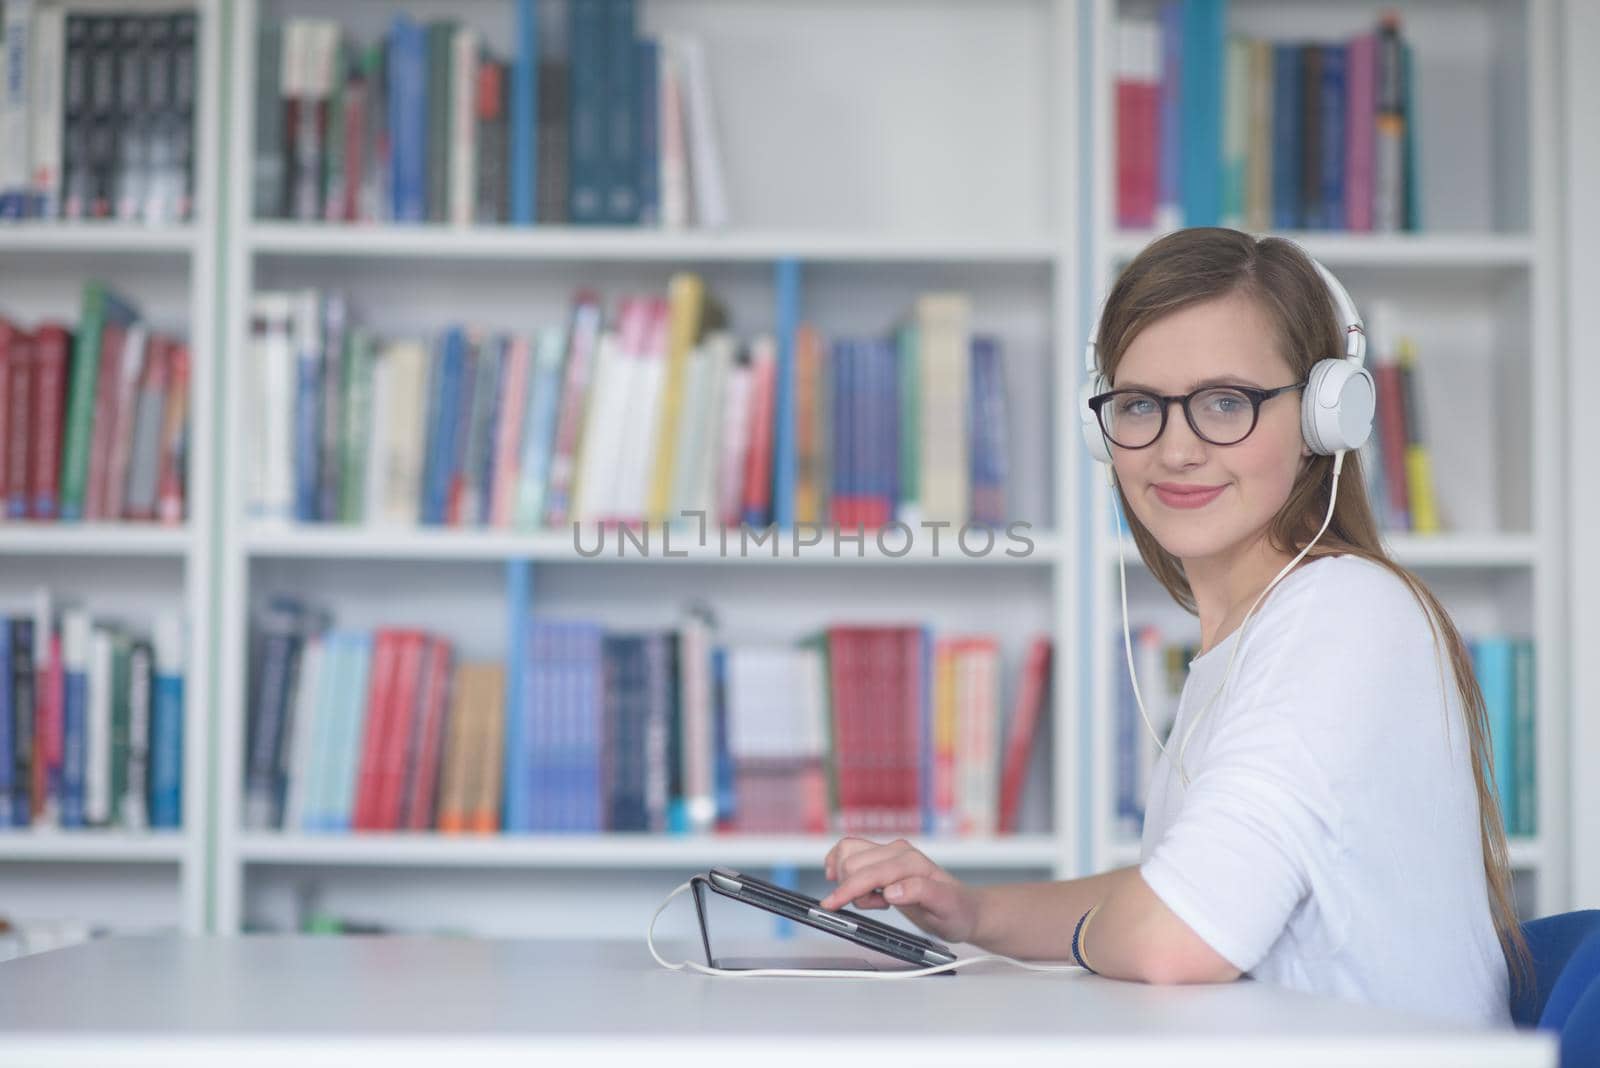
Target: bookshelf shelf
x=615 y=851
x=97 y=238
x=92 y=846
x=481 y=243
x=1446 y=551
x=310 y=541
x=1466 y=250
x=93 y=539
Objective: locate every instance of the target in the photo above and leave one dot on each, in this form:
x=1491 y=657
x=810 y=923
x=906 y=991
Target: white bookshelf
x=912 y=200
x=1479 y=292
x=113 y=879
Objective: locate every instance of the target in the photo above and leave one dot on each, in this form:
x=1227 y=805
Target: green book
x=357 y=425
x=1525 y=746
x=441 y=38
x=102 y=311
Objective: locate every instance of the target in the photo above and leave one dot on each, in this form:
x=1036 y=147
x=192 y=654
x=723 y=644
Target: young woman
x=1331 y=823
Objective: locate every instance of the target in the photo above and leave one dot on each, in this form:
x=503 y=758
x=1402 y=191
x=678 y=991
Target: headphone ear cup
x=1337 y=407
x=1094 y=439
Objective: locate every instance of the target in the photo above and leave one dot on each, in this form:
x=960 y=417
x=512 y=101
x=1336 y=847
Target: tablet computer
x=852 y=926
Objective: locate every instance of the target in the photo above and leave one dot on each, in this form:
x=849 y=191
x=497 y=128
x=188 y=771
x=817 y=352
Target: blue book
x=886 y=424
x=1492 y=662
x=586 y=161
x=516 y=796
x=1525 y=743
x=430 y=432
x=621 y=114
x=723 y=763
x=1335 y=59
x=1200 y=147
x=1170 y=190
x=352 y=705
x=539 y=426
x=461 y=446
x=524 y=114
x=74 y=717
x=408 y=119
x=8 y=754
x=648 y=61
x=494 y=366
x=166 y=728
x=839 y=423
x=591 y=710
x=307 y=414
x=1287 y=81
x=786 y=276
x=442 y=441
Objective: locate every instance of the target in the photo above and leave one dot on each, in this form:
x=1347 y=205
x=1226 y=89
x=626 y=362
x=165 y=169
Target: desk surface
x=412 y=1000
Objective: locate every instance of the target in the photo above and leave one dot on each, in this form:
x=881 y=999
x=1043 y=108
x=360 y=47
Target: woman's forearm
x=1034 y=921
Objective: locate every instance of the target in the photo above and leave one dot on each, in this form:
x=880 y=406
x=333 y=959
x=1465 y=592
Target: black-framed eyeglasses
x=1221 y=415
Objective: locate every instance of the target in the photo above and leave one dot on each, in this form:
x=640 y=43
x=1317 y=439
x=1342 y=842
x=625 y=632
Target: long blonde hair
x=1194 y=265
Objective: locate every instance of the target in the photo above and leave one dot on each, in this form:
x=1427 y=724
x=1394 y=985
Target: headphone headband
x=1338 y=403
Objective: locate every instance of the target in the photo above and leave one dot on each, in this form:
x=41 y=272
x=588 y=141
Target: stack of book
x=654 y=416
x=1219 y=129
x=855 y=729
x=428 y=125
x=96 y=113
x=91 y=721
x=1397 y=460
x=93 y=424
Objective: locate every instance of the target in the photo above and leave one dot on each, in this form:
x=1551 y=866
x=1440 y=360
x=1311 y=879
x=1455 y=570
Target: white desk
x=438 y=1002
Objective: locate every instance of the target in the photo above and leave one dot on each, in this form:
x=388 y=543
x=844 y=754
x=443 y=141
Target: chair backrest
x=1552 y=941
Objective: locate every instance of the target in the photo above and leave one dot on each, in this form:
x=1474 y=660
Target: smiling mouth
x=1187 y=496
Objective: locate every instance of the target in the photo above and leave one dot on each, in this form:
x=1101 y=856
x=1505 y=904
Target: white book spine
x=97 y=743
x=377 y=438
x=593 y=495
x=307 y=687
x=702 y=497
x=49 y=47
x=15 y=150
x=705 y=153
x=943 y=337
x=405 y=437
x=692 y=434
x=141 y=677
x=274 y=406
x=464 y=128
x=673 y=155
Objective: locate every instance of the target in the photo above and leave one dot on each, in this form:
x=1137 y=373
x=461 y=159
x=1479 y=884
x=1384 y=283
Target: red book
x=1392 y=439
x=913 y=681
x=758 y=458
x=1032 y=692
x=47 y=728
x=51 y=352
x=385 y=655
x=397 y=739
x=8 y=332
x=112 y=341
x=14 y=417
x=174 y=436
x=355 y=127
x=125 y=414
x=841 y=671
x=423 y=791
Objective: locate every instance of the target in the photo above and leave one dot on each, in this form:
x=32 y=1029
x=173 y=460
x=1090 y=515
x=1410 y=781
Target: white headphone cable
x=827 y=973
x=1127 y=638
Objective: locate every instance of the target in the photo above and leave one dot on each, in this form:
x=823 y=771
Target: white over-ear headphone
x=1336 y=406
x=1335 y=416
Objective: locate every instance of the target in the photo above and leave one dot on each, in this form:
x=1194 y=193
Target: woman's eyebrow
x=1205 y=383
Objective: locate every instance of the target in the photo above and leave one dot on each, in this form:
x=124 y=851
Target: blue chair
x=1565 y=994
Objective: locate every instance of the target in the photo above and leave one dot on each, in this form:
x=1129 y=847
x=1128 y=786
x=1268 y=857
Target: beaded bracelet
x=1077 y=944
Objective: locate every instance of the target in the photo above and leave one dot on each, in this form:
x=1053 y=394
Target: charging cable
x=826 y=973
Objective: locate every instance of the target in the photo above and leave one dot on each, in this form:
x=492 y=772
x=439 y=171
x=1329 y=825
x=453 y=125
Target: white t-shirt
x=1328 y=838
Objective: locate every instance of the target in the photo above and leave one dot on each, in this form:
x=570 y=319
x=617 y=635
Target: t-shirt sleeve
x=1236 y=861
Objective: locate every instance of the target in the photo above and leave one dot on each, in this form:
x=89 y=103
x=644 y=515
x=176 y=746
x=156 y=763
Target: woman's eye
x=1136 y=406
x=1228 y=404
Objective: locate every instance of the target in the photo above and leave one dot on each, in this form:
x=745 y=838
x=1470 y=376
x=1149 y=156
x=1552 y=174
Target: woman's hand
x=874 y=876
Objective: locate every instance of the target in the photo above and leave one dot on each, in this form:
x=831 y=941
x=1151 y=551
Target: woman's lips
x=1177 y=496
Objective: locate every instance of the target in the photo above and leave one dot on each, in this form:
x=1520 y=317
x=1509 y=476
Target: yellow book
x=686 y=294
x=1418 y=460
